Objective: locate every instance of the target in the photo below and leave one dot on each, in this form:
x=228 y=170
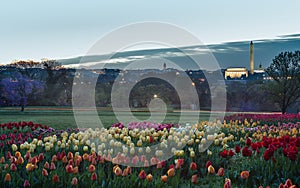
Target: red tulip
x=69 y=168
x=92 y=168
x=94 y=176
x=193 y=166
x=41 y=157
x=248 y=141
x=246 y=152
x=55 y=178
x=52 y=166
x=220 y=172
x=13 y=167
x=230 y=153
x=142 y=175
x=227 y=183
x=237 y=149
x=208 y=163
x=26 y=183
x=224 y=153
x=288 y=182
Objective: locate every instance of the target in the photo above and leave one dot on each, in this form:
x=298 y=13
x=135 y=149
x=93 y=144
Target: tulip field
x=243 y=150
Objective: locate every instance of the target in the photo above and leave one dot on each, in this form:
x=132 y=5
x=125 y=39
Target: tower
x=164 y=66
x=251 y=58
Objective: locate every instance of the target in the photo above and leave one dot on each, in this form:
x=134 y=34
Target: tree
x=285 y=71
x=18 y=88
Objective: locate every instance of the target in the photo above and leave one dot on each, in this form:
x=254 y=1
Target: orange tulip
x=195 y=179
x=2 y=160
x=45 y=172
x=171 y=172
x=78 y=157
x=70 y=155
x=94 y=176
x=64 y=159
x=118 y=171
x=211 y=169
x=220 y=172
x=85 y=156
x=149 y=177
x=244 y=174
x=164 y=178
x=193 y=166
x=20 y=160
x=17 y=154
x=55 y=178
x=7 y=177
x=114 y=168
x=54 y=158
x=142 y=175
x=126 y=171
x=75 y=170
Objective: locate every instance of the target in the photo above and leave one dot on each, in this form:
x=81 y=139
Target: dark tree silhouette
x=285 y=71
x=18 y=88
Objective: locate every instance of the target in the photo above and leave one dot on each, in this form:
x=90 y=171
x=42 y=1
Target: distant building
x=236 y=73
x=241 y=73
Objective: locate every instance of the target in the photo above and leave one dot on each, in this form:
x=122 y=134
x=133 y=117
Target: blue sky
x=35 y=29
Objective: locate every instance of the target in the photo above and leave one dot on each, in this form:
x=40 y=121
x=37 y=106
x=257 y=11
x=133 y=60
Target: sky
x=35 y=29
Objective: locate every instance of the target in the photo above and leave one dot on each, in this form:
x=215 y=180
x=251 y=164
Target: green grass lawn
x=63 y=117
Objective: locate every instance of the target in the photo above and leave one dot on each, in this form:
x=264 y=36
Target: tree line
x=48 y=83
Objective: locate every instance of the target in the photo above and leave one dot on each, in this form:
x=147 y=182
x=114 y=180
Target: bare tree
x=285 y=71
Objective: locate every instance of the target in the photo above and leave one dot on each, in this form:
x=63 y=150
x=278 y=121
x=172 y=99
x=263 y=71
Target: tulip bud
x=211 y=169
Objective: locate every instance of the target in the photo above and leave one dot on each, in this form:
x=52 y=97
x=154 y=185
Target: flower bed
x=241 y=155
